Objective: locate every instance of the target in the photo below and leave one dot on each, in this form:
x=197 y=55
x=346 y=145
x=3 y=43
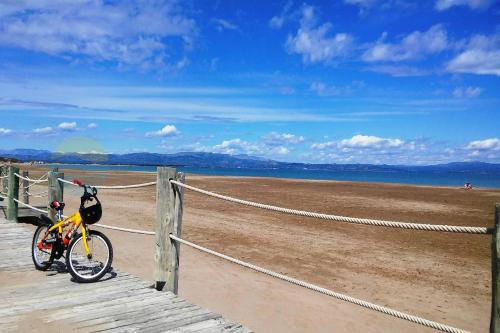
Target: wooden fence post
x=55 y=192
x=495 y=279
x=4 y=180
x=168 y=221
x=12 y=193
x=26 y=197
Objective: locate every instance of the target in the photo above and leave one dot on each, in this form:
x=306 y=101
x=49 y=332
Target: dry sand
x=439 y=276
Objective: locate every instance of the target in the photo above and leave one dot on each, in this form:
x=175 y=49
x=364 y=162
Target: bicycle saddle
x=45 y=219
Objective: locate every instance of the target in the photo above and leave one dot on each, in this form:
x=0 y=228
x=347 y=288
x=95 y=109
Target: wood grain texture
x=12 y=193
x=120 y=302
x=55 y=192
x=495 y=278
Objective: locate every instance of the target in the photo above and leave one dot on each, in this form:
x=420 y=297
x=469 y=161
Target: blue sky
x=353 y=81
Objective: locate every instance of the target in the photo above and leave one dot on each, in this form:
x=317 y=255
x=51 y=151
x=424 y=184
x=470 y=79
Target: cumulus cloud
x=4 y=131
x=487 y=144
x=236 y=146
x=128 y=33
x=167 y=130
x=92 y=125
x=317 y=43
x=481 y=55
x=467 y=92
x=472 y=4
x=67 y=126
x=369 y=141
x=43 y=130
x=278 y=139
x=413 y=46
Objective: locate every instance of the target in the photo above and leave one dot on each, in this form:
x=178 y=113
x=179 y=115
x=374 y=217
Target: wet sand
x=440 y=276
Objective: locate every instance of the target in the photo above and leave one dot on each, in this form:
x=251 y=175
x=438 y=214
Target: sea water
x=439 y=178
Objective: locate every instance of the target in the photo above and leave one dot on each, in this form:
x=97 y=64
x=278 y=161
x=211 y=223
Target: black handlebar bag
x=91 y=214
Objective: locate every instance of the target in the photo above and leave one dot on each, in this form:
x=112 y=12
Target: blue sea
x=491 y=180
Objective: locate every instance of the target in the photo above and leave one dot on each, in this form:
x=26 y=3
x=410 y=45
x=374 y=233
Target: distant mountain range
x=213 y=160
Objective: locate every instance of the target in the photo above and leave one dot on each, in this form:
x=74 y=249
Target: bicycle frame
x=76 y=221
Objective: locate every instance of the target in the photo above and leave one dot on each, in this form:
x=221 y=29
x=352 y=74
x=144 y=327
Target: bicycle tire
x=71 y=254
x=41 y=266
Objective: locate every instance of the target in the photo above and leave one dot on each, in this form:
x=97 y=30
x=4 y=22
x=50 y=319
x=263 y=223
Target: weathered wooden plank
x=26 y=197
x=166 y=265
x=55 y=192
x=123 y=303
x=12 y=193
x=495 y=277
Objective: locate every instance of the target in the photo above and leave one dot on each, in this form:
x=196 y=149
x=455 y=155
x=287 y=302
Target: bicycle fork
x=85 y=243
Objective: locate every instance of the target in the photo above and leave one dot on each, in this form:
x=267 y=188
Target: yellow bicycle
x=89 y=254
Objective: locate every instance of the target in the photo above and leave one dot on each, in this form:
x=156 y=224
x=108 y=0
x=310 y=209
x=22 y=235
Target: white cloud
x=314 y=43
x=128 y=33
x=67 y=126
x=361 y=142
x=222 y=24
x=92 y=125
x=276 y=22
x=467 y=92
x=167 y=130
x=472 y=4
x=324 y=90
x=368 y=141
x=282 y=150
x=237 y=146
x=43 y=130
x=413 y=46
x=4 y=131
x=399 y=70
x=487 y=144
x=481 y=55
x=279 y=139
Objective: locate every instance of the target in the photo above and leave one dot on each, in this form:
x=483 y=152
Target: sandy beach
x=440 y=276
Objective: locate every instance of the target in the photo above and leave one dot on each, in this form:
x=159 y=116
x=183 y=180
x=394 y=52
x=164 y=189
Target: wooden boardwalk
x=118 y=303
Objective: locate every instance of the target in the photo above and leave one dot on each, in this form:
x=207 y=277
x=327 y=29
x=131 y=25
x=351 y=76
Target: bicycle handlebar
x=87 y=196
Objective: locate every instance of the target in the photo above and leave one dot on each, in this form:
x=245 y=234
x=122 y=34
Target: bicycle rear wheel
x=41 y=252
x=83 y=268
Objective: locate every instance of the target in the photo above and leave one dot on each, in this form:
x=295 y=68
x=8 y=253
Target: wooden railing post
x=5 y=172
x=168 y=221
x=12 y=193
x=26 y=197
x=495 y=279
x=55 y=192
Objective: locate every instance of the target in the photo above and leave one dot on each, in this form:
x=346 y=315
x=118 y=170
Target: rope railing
x=30 y=207
x=111 y=187
x=346 y=298
x=349 y=299
x=36 y=181
x=338 y=218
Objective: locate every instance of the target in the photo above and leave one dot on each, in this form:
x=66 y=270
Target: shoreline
x=353 y=182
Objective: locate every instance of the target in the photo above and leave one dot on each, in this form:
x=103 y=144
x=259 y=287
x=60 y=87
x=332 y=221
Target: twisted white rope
x=2 y=177
x=136 y=231
x=114 y=187
x=29 y=206
x=35 y=181
x=355 y=220
x=371 y=306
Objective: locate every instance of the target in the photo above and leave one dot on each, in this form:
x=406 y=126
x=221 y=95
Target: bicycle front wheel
x=90 y=268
